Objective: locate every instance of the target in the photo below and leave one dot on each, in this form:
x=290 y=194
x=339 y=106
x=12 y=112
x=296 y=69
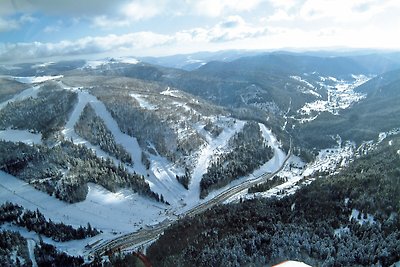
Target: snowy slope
x=30 y=92
x=23 y=136
x=125 y=211
x=193 y=194
x=37 y=79
x=113 y=213
x=160 y=177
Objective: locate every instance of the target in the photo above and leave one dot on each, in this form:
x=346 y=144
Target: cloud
x=127 y=15
x=230 y=29
x=234 y=28
x=335 y=11
x=89 y=45
x=51 y=29
x=213 y=8
x=142 y=10
x=69 y=8
x=105 y=22
x=10 y=24
x=290 y=23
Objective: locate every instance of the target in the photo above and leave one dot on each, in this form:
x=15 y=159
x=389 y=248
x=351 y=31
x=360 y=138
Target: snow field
x=341 y=96
x=297 y=172
x=23 y=136
x=37 y=79
x=113 y=213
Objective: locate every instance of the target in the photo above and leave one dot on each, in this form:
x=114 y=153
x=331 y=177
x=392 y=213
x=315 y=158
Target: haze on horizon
x=34 y=30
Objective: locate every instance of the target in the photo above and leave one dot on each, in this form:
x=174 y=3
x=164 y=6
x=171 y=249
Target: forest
x=35 y=221
x=65 y=169
x=144 y=125
x=46 y=113
x=247 y=151
x=263 y=232
x=92 y=128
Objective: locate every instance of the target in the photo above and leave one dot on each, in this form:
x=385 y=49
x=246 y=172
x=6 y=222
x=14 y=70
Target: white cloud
x=301 y=24
x=232 y=28
x=51 y=29
x=14 y=24
x=284 y=4
x=128 y=14
x=132 y=42
x=142 y=10
x=214 y=8
x=107 y=23
x=336 y=11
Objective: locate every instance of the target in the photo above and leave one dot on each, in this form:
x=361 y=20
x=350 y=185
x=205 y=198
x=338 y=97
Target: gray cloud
x=55 y=7
x=84 y=46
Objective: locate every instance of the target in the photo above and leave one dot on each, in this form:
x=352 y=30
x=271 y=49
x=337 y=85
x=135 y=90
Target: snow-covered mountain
x=89 y=140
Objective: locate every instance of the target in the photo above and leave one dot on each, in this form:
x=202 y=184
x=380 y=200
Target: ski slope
x=23 y=136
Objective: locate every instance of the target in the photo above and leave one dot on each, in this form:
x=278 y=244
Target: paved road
x=147 y=235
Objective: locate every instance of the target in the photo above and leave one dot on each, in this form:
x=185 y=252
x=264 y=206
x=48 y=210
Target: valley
x=138 y=150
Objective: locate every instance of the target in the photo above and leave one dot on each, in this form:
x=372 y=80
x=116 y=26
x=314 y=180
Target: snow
x=113 y=213
x=297 y=172
x=129 y=143
x=94 y=64
x=30 y=92
x=169 y=92
x=143 y=102
x=203 y=161
x=128 y=60
x=330 y=159
x=37 y=79
x=271 y=166
x=279 y=156
x=341 y=96
x=383 y=135
x=339 y=232
x=31 y=250
x=292 y=264
x=131 y=211
x=23 y=136
x=305 y=90
x=42 y=65
x=364 y=218
x=163 y=181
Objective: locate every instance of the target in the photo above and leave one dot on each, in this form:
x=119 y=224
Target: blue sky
x=40 y=29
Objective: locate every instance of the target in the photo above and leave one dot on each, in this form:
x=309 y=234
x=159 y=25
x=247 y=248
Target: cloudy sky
x=38 y=29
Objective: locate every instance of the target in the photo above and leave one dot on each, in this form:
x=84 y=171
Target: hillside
x=359 y=226
x=277 y=137
x=377 y=112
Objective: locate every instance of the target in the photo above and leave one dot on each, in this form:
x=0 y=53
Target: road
x=146 y=235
